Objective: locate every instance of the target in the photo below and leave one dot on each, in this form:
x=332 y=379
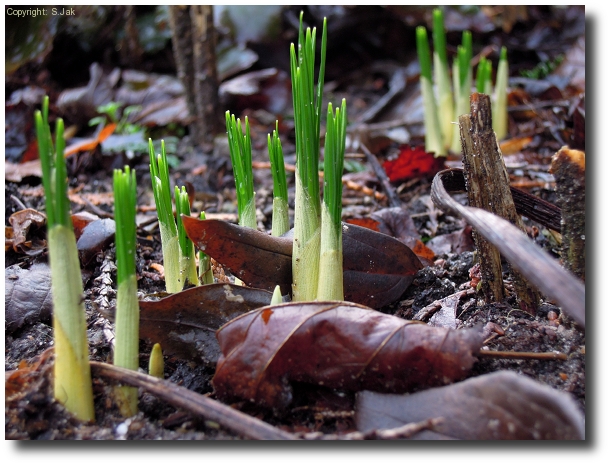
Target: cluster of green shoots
x=317 y=248
x=127 y=318
x=72 y=375
x=179 y=262
x=443 y=108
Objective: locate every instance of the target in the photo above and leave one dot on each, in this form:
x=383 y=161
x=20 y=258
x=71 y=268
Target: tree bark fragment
x=568 y=167
x=194 y=47
x=488 y=188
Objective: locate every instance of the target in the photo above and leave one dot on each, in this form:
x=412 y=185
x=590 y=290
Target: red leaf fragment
x=413 y=162
x=339 y=345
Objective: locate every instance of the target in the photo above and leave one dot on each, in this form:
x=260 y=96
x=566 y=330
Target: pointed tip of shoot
x=423 y=52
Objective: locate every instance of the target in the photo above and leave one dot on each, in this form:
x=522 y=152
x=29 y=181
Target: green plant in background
x=159 y=175
x=280 y=222
x=542 y=69
x=240 y=148
x=330 y=278
x=499 y=112
x=188 y=265
x=111 y=111
x=442 y=110
x=442 y=78
x=126 y=348
x=462 y=85
x=206 y=275
x=72 y=376
x=434 y=134
x=307 y=102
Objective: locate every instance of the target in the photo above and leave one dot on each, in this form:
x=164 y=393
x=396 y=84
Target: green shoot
x=156 y=366
x=499 y=112
x=440 y=109
x=280 y=222
x=330 y=283
x=72 y=375
x=241 y=159
x=206 y=275
x=276 y=298
x=434 y=137
x=126 y=349
x=484 y=76
x=110 y=111
x=462 y=84
x=188 y=266
x=159 y=174
x=442 y=78
x=307 y=102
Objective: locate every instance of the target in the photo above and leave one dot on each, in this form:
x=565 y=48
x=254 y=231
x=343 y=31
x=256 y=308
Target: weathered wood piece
x=194 y=47
x=182 y=46
x=568 y=167
x=194 y=403
x=206 y=76
x=534 y=263
x=488 y=188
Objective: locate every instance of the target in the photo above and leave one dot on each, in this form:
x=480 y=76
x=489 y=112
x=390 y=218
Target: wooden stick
x=568 y=167
x=178 y=396
x=522 y=355
x=390 y=192
x=488 y=188
x=533 y=262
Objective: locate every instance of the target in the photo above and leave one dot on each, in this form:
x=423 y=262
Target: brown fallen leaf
x=185 y=323
x=397 y=223
x=339 y=345
x=22 y=222
x=501 y=405
x=377 y=269
x=27 y=298
x=15 y=172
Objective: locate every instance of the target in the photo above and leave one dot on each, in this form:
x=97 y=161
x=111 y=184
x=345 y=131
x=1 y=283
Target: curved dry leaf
x=377 y=268
x=185 y=323
x=94 y=238
x=27 y=297
x=339 y=345
x=501 y=405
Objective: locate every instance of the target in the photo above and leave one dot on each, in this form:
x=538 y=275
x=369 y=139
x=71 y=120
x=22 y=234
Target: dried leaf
x=91 y=143
x=22 y=222
x=15 y=172
x=501 y=405
x=185 y=323
x=95 y=237
x=27 y=297
x=339 y=345
x=377 y=269
x=397 y=222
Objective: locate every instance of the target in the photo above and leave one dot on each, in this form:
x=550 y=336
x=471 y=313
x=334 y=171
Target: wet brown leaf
x=185 y=323
x=501 y=405
x=339 y=345
x=377 y=269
